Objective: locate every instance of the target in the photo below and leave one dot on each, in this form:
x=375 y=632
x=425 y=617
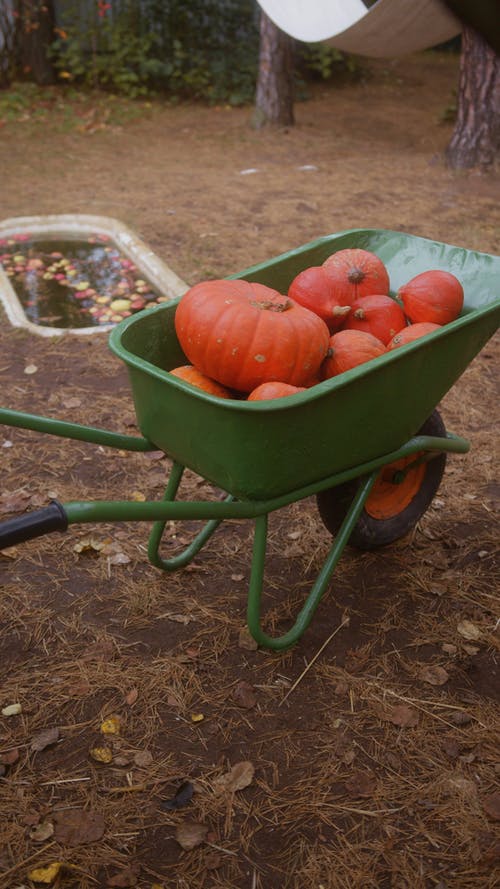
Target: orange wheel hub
x=389 y=497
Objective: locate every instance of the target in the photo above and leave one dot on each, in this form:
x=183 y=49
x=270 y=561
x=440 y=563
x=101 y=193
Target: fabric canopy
x=387 y=29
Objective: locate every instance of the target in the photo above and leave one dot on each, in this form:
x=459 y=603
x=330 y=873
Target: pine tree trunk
x=476 y=138
x=274 y=95
x=35 y=34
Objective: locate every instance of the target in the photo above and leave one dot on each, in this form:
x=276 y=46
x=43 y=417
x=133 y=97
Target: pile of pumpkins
x=246 y=340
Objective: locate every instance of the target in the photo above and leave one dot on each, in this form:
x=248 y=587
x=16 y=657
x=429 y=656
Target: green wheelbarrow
x=369 y=444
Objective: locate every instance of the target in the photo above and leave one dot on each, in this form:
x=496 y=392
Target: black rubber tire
x=369 y=532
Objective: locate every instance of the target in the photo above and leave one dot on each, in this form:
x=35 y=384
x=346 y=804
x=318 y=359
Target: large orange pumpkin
x=434 y=296
x=411 y=333
x=356 y=272
x=377 y=314
x=348 y=349
x=315 y=289
x=274 y=390
x=243 y=334
x=191 y=375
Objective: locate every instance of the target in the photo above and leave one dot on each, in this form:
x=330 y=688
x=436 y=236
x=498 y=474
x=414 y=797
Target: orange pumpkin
x=191 y=375
x=411 y=333
x=274 y=390
x=354 y=273
x=315 y=289
x=433 y=296
x=348 y=349
x=377 y=314
x=243 y=334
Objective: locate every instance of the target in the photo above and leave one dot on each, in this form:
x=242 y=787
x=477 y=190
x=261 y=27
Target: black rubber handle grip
x=33 y=524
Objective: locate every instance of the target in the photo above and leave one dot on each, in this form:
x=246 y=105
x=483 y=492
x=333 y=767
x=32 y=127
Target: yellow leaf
x=45 y=874
x=111 y=726
x=197 y=717
x=101 y=754
x=139 y=496
x=12 y=710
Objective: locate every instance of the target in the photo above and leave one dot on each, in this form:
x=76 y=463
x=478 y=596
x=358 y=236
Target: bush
x=204 y=49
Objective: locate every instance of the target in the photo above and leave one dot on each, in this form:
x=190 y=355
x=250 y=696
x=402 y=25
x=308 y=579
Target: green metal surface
x=261 y=450
x=74 y=430
x=214 y=512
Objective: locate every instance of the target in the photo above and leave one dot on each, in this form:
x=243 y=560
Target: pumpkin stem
x=355 y=275
x=359 y=314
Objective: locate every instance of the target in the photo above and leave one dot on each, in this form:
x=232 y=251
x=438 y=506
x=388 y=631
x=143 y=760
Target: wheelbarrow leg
x=306 y=613
x=185 y=557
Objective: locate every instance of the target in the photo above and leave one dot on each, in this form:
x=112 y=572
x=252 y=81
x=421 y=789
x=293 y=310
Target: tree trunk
x=274 y=95
x=476 y=138
x=35 y=34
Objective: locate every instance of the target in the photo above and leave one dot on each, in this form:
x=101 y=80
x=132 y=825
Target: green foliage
x=324 y=62
x=205 y=49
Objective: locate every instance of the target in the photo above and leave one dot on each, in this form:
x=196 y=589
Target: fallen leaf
x=178 y=618
x=123 y=759
x=143 y=758
x=182 y=797
x=471 y=649
x=102 y=754
x=361 y=784
x=46 y=874
x=44 y=739
x=131 y=697
x=111 y=726
x=402 y=715
x=213 y=860
x=14 y=502
x=469 y=630
x=88 y=544
x=460 y=717
x=12 y=710
x=197 y=717
x=78 y=827
x=42 y=832
x=244 y=695
x=190 y=834
x=433 y=674
x=237 y=577
x=246 y=640
x=124 y=878
x=30 y=369
x=71 y=402
x=9 y=552
x=119 y=559
x=448 y=648
x=238 y=777
x=491 y=805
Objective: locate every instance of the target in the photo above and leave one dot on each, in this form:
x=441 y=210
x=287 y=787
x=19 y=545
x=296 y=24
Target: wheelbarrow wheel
x=395 y=503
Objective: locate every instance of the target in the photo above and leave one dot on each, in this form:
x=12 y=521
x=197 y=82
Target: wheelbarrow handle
x=33 y=524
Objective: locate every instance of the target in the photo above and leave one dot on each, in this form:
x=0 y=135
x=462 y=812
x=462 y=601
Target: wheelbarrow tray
x=260 y=450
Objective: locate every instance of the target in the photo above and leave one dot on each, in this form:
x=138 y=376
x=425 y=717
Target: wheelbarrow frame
x=150 y=350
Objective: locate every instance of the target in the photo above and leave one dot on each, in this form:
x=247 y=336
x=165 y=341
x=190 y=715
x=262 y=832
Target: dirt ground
x=369 y=762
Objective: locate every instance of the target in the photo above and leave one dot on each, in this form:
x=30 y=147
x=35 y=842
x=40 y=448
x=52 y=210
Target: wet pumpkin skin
x=433 y=296
x=355 y=273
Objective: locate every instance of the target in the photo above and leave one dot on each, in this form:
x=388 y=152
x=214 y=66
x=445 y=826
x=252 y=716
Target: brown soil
x=375 y=767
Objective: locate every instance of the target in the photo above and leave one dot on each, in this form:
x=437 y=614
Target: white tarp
x=389 y=28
